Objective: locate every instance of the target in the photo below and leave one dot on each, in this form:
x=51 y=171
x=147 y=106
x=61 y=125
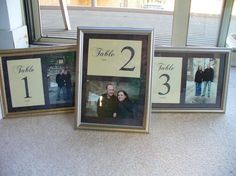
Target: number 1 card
x=25 y=79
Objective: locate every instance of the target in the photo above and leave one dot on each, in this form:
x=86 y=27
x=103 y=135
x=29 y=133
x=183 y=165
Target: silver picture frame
x=118 y=59
x=181 y=81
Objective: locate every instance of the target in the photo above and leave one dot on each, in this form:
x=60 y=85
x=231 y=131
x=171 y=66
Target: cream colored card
x=119 y=58
x=26 y=83
x=166 y=79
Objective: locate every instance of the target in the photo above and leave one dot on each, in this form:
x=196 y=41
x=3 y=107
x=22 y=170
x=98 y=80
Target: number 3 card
x=166 y=79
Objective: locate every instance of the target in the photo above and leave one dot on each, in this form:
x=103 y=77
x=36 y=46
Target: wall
x=13 y=32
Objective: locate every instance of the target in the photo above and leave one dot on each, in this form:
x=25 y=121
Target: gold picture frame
x=111 y=61
x=30 y=80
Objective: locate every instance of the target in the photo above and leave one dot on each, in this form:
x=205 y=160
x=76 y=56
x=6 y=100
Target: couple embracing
x=111 y=106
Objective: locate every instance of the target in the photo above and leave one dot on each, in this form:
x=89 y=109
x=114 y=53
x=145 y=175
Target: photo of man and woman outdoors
x=114 y=100
x=61 y=79
x=202 y=80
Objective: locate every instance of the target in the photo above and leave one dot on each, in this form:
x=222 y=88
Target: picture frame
x=114 y=63
x=31 y=83
x=190 y=79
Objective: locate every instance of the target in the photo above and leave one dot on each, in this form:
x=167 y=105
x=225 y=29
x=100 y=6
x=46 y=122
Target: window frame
x=180 y=18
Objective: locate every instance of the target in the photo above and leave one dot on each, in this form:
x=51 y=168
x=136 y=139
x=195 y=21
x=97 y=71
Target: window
x=204 y=22
x=157 y=14
x=69 y=2
x=231 y=39
x=45 y=20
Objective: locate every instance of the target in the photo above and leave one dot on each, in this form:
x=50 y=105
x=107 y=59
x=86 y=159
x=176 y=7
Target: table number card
x=25 y=80
x=166 y=79
x=110 y=57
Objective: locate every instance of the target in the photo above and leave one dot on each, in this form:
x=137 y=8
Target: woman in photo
x=198 y=81
x=125 y=107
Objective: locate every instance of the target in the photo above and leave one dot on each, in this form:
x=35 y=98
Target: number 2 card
x=113 y=57
x=166 y=78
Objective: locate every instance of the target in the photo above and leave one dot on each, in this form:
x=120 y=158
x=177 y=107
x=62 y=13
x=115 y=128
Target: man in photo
x=208 y=76
x=107 y=103
x=60 y=80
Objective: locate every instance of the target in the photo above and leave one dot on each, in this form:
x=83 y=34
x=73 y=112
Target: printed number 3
x=124 y=68
x=26 y=87
x=165 y=84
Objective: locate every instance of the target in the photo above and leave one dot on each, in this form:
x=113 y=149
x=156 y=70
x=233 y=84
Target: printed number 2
x=26 y=87
x=124 y=68
x=165 y=84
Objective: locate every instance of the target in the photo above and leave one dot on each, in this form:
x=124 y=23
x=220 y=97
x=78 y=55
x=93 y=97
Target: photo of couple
x=64 y=84
x=110 y=105
x=61 y=78
x=202 y=80
x=111 y=100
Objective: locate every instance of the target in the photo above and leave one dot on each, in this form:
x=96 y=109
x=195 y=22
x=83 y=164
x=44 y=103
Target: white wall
x=13 y=32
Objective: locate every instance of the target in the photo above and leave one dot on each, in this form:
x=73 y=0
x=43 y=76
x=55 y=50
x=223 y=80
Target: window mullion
x=225 y=22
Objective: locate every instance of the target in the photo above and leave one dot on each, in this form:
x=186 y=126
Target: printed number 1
x=165 y=84
x=26 y=87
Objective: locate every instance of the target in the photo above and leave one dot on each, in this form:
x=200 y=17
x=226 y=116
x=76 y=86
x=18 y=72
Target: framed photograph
x=113 y=75
x=190 y=79
x=38 y=80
